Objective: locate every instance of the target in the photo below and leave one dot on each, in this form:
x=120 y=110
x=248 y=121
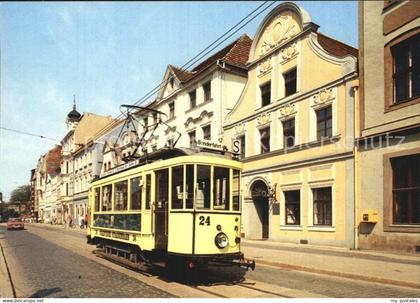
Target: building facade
x=388 y=161
x=52 y=211
x=294 y=124
x=194 y=102
x=77 y=162
x=40 y=183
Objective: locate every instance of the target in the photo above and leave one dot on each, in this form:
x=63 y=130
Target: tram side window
x=221 y=188
x=135 y=193
x=120 y=198
x=97 y=198
x=190 y=186
x=236 y=191
x=203 y=187
x=106 y=197
x=177 y=186
x=148 y=190
x=162 y=183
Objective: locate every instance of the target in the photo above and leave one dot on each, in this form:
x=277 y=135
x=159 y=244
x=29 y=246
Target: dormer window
x=207 y=91
x=265 y=94
x=171 y=83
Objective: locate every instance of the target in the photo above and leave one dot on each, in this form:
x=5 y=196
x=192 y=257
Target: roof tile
x=336 y=47
x=235 y=53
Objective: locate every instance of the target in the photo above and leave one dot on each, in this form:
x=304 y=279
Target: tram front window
x=135 y=193
x=221 y=188
x=189 y=186
x=177 y=187
x=120 y=197
x=203 y=187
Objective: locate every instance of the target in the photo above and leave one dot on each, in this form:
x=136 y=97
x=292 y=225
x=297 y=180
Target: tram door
x=161 y=209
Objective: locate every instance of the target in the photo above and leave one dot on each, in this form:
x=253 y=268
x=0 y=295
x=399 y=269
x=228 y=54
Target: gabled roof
x=236 y=53
x=336 y=47
x=53 y=160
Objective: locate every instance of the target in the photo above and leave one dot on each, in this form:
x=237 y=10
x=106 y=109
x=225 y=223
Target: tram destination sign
x=121 y=168
x=205 y=144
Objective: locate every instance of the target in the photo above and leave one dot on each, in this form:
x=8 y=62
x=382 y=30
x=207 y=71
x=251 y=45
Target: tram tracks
x=213 y=286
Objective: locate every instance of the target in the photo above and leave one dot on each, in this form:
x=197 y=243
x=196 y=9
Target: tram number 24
x=204 y=220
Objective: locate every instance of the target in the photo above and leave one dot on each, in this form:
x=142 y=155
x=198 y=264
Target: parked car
x=15 y=223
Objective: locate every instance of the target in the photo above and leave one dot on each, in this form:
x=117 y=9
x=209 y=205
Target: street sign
x=236 y=146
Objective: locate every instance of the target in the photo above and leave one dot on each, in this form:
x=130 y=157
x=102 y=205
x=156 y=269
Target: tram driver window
x=221 y=188
x=97 y=198
x=106 y=197
x=120 y=198
x=177 y=187
x=189 y=186
x=203 y=187
x=135 y=193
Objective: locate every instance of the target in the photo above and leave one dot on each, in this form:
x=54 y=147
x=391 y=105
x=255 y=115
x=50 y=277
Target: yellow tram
x=177 y=206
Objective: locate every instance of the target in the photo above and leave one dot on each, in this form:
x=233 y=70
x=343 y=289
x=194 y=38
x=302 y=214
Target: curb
x=6 y=285
x=340 y=274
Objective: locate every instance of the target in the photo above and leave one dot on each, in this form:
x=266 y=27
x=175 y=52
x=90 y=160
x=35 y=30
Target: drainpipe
x=356 y=165
x=222 y=65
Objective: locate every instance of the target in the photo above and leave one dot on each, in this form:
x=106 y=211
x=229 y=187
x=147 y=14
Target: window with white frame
x=171 y=110
x=292 y=207
x=322 y=206
x=193 y=98
x=207 y=91
x=324 y=127
x=207 y=132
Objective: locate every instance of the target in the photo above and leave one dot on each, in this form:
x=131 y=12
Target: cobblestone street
x=42 y=269
x=49 y=261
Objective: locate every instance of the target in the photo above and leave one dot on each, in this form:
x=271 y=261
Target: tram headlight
x=221 y=240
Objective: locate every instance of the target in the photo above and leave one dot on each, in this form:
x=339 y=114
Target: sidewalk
x=372 y=266
x=59 y=226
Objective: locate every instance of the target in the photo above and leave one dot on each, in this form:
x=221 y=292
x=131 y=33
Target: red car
x=15 y=223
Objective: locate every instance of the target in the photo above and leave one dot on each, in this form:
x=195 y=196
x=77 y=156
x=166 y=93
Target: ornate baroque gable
x=282 y=28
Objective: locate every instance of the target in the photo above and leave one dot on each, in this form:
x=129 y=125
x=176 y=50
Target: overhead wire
x=28 y=134
x=193 y=61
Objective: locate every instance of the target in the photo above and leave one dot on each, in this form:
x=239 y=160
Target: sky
x=107 y=54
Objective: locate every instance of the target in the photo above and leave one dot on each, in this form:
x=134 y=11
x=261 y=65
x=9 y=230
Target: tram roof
x=164 y=154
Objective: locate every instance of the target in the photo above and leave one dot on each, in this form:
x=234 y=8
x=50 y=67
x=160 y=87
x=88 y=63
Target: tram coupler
x=248 y=264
